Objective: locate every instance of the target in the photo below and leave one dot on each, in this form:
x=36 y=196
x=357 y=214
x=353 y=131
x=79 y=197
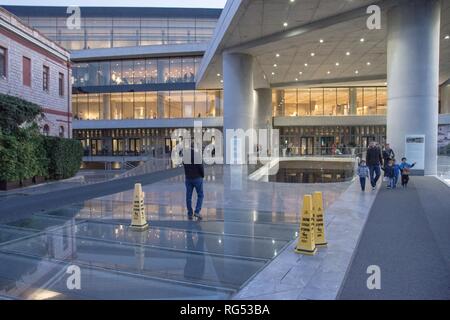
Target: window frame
x=5 y=62
x=61 y=84
x=46 y=78
x=26 y=83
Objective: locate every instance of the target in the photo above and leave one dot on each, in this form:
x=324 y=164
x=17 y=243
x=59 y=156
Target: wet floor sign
x=138 y=219
x=319 y=220
x=306 y=242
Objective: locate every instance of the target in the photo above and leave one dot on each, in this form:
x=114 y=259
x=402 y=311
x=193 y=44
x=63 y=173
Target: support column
x=263 y=107
x=413 y=72
x=239 y=106
x=106 y=102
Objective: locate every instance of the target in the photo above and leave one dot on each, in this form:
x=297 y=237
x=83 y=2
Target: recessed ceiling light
x=285 y=24
x=296 y=79
x=347 y=53
x=300 y=73
x=362 y=39
x=218 y=74
x=321 y=40
x=368 y=63
x=385 y=83
x=273 y=73
x=306 y=64
x=328 y=72
x=337 y=64
x=221 y=81
x=312 y=54
x=277 y=55
x=356 y=71
x=275 y=65
x=447 y=37
x=291 y=1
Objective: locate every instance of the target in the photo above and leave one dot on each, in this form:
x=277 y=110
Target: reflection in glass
x=303 y=102
x=151 y=71
x=329 y=101
x=139 y=105
x=381 y=100
x=139 y=71
x=163 y=71
x=150 y=105
x=116 y=106
x=200 y=104
x=175 y=104
x=188 y=104
x=370 y=101
x=188 y=69
x=342 y=108
x=290 y=102
x=116 y=72
x=127 y=72
x=128 y=105
x=317 y=101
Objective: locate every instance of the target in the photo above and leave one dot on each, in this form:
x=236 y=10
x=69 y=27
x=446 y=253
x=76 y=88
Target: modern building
x=38 y=70
x=322 y=72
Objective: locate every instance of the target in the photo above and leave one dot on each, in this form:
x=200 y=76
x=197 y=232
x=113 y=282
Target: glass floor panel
x=181 y=239
x=197 y=267
x=106 y=209
x=8 y=233
x=33 y=278
x=174 y=259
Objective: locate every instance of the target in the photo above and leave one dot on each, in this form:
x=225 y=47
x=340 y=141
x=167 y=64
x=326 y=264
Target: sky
x=120 y=3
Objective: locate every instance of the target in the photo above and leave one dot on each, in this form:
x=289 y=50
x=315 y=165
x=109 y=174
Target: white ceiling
x=258 y=18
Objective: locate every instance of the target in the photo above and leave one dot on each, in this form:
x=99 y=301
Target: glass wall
x=137 y=71
x=329 y=101
x=333 y=140
x=147 y=105
x=100 y=32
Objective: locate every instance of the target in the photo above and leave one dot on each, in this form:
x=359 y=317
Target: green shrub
x=64 y=157
x=8 y=158
x=15 y=111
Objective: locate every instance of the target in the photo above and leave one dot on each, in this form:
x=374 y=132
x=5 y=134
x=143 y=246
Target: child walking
x=405 y=169
x=396 y=172
x=363 y=173
x=389 y=173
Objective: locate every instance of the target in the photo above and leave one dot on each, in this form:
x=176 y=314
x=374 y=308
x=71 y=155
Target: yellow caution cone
x=319 y=220
x=138 y=219
x=306 y=243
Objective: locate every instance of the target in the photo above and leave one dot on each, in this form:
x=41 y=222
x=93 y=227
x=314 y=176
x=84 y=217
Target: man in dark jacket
x=194 y=174
x=374 y=161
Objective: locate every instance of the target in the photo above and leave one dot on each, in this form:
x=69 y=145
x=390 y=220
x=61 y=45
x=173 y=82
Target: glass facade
x=330 y=101
x=109 y=32
x=129 y=142
x=147 y=105
x=330 y=140
x=135 y=71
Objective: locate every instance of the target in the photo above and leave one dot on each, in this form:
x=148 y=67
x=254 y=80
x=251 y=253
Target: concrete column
x=263 y=106
x=239 y=106
x=218 y=103
x=413 y=72
x=160 y=105
x=353 y=101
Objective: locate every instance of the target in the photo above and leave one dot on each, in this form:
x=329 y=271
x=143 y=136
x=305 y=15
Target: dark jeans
x=362 y=180
x=405 y=179
x=374 y=173
x=192 y=184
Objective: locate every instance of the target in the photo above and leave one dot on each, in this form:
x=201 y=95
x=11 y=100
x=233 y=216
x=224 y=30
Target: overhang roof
x=295 y=54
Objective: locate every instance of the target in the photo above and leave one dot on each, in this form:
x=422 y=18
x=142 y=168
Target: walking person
x=374 y=161
x=363 y=173
x=194 y=174
x=405 y=169
x=388 y=153
x=389 y=173
x=397 y=172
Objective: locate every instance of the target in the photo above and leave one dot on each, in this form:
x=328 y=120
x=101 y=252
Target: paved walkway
x=407 y=236
x=20 y=207
x=292 y=276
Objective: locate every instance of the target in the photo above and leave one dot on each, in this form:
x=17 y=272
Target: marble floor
x=248 y=229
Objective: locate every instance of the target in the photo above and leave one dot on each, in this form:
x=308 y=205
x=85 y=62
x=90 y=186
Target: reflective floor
x=174 y=259
x=245 y=225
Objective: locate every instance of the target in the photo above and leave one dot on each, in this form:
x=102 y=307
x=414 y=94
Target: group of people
x=377 y=160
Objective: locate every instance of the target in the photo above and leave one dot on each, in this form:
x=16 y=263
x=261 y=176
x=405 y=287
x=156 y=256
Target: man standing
x=194 y=174
x=374 y=161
